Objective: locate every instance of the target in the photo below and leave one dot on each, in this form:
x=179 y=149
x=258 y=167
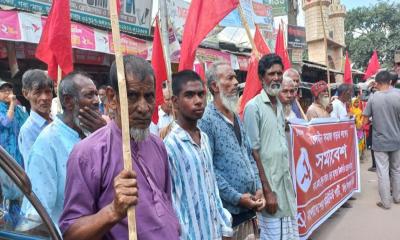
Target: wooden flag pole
x=301 y=110
x=59 y=78
x=326 y=49
x=123 y=101
x=165 y=46
x=248 y=32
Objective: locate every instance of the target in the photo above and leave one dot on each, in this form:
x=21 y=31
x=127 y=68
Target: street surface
x=365 y=221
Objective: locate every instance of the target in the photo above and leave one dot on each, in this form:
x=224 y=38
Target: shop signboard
x=135 y=15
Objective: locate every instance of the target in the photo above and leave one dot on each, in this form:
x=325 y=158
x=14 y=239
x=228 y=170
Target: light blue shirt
x=29 y=132
x=195 y=192
x=46 y=166
x=234 y=166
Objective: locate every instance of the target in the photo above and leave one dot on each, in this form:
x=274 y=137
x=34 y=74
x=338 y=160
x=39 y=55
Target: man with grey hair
x=97 y=208
x=46 y=164
x=37 y=88
x=235 y=169
x=295 y=76
x=287 y=96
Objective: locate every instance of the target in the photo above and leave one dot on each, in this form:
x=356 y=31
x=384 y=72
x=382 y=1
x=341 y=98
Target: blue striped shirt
x=195 y=193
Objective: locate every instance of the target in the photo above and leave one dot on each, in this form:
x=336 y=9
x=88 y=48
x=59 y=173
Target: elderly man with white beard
x=98 y=191
x=264 y=121
x=287 y=97
x=47 y=159
x=235 y=169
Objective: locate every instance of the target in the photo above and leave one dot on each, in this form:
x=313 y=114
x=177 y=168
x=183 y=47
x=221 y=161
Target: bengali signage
x=256 y=12
x=296 y=37
x=325 y=170
x=27 y=27
x=279 y=7
x=135 y=15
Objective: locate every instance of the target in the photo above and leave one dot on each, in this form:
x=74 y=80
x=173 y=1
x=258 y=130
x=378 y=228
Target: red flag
x=280 y=49
x=118 y=7
x=199 y=69
x=253 y=85
x=373 y=66
x=262 y=46
x=348 y=78
x=55 y=47
x=160 y=69
x=203 y=16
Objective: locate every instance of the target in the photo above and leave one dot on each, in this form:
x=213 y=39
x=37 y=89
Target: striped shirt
x=195 y=193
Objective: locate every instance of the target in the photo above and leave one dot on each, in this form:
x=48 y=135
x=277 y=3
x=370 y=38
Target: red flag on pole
x=348 y=78
x=203 y=16
x=262 y=46
x=373 y=66
x=253 y=85
x=280 y=49
x=160 y=69
x=199 y=69
x=55 y=47
x=118 y=6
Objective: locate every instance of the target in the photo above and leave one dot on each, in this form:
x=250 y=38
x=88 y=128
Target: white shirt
x=164 y=120
x=339 y=109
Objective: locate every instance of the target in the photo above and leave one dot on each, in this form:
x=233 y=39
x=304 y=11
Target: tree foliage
x=374 y=27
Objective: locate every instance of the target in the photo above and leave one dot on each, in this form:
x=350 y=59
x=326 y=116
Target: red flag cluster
x=281 y=50
x=55 y=47
x=203 y=16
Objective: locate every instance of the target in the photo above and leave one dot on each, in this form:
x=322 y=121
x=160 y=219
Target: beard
x=77 y=122
x=272 y=89
x=229 y=102
x=138 y=134
x=324 y=101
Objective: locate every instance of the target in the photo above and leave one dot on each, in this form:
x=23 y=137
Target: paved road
x=365 y=221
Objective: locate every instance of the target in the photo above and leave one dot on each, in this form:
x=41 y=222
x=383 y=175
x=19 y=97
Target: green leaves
x=374 y=27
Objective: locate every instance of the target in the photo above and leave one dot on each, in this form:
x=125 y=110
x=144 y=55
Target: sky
x=359 y=3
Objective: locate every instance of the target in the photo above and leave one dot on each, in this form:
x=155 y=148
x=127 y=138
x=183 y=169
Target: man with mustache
x=195 y=192
x=46 y=164
x=99 y=191
x=235 y=169
x=264 y=121
x=295 y=76
x=37 y=87
x=321 y=107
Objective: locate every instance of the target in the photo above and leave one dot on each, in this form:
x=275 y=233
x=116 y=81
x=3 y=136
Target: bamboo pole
x=59 y=78
x=123 y=101
x=301 y=110
x=326 y=49
x=248 y=32
x=165 y=46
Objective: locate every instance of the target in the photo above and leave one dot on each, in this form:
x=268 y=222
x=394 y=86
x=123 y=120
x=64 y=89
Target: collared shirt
x=266 y=130
x=235 y=169
x=195 y=192
x=317 y=111
x=9 y=130
x=339 y=109
x=92 y=167
x=29 y=132
x=46 y=167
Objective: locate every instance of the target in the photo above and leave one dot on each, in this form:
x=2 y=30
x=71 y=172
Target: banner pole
x=123 y=101
x=326 y=49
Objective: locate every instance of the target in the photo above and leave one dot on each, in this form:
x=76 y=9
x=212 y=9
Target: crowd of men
x=201 y=172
